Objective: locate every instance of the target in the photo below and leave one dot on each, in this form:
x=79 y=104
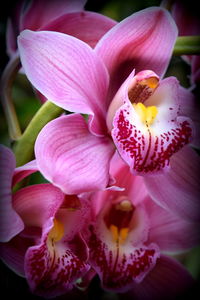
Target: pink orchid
x=67 y=16
x=146 y=117
x=129 y=236
x=187 y=20
x=40 y=232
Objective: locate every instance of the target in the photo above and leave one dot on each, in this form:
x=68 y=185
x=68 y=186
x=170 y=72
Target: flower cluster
x=122 y=195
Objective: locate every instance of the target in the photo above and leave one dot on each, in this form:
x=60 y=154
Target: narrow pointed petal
x=182 y=181
x=70 y=157
x=10 y=222
x=37 y=203
x=169 y=231
x=67 y=72
x=79 y=25
x=142 y=41
x=168 y=280
x=41 y=12
x=24 y=171
x=148 y=148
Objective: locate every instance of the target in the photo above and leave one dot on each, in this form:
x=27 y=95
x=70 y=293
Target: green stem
x=24 y=147
x=187 y=45
x=7 y=79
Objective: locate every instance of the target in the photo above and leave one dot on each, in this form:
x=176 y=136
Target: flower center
x=118 y=220
x=57 y=231
x=147 y=114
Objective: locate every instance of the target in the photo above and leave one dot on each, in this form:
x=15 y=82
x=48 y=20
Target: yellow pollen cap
x=119 y=236
x=151 y=82
x=57 y=231
x=147 y=114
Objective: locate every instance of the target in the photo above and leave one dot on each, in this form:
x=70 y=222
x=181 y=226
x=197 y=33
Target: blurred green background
x=26 y=104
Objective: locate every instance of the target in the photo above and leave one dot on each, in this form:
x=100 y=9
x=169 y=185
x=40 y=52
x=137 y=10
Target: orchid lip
x=118 y=219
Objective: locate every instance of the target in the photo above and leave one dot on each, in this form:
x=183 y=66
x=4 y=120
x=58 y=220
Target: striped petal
x=10 y=222
x=145 y=40
x=67 y=72
x=70 y=157
x=79 y=25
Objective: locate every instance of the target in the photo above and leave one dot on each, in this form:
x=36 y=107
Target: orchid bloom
x=39 y=232
x=67 y=16
x=129 y=235
x=119 y=85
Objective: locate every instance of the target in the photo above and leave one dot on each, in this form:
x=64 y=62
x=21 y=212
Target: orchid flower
x=65 y=16
x=39 y=232
x=119 y=85
x=129 y=236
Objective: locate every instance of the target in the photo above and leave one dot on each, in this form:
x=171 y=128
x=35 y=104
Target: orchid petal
x=168 y=280
x=10 y=222
x=67 y=72
x=79 y=25
x=40 y=12
x=189 y=106
x=182 y=181
x=134 y=185
x=54 y=263
x=37 y=203
x=122 y=256
x=118 y=266
x=144 y=40
x=148 y=147
x=169 y=231
x=51 y=272
x=70 y=157
x=13 y=252
x=24 y=171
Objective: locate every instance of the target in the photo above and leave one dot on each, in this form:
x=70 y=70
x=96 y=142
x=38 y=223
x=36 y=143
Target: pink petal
x=10 y=222
x=67 y=72
x=143 y=41
x=178 y=189
x=24 y=171
x=74 y=213
x=51 y=274
x=79 y=25
x=119 y=267
x=41 y=12
x=37 y=203
x=52 y=266
x=148 y=148
x=134 y=186
x=13 y=252
x=189 y=106
x=168 y=280
x=169 y=231
x=120 y=260
x=71 y=158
